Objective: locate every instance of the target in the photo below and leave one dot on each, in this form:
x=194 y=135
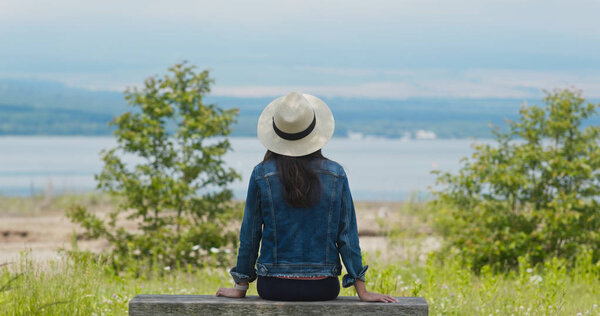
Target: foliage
x=173 y=202
x=84 y=285
x=534 y=193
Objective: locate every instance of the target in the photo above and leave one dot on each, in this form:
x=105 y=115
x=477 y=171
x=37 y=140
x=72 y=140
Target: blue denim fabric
x=299 y=242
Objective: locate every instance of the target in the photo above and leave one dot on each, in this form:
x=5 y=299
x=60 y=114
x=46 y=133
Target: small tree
x=168 y=174
x=535 y=193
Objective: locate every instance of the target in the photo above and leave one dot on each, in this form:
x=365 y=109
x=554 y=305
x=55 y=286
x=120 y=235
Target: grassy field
x=82 y=284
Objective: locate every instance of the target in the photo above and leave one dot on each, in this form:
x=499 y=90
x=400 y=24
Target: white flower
x=196 y=247
x=579 y=314
x=595 y=306
x=227 y=251
x=167 y=268
x=529 y=270
x=535 y=279
x=214 y=250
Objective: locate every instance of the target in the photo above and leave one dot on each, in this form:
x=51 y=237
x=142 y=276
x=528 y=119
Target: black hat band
x=295 y=136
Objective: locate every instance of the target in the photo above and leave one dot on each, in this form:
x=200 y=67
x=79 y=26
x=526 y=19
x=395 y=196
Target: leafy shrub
x=534 y=193
x=174 y=205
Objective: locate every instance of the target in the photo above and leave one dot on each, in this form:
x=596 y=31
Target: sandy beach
x=39 y=226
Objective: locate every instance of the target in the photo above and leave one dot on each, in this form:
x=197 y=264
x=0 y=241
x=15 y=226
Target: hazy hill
x=45 y=108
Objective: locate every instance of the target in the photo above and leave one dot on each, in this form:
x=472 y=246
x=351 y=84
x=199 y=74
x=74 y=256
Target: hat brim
x=314 y=141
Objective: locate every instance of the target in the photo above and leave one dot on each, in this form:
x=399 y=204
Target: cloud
x=476 y=83
x=367 y=83
x=573 y=17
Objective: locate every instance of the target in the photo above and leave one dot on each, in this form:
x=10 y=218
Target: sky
x=388 y=49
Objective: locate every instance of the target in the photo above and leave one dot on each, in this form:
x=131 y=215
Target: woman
x=299 y=210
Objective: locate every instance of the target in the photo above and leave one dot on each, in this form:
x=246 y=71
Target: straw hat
x=295 y=125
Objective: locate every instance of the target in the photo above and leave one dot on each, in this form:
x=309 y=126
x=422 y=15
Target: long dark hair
x=300 y=182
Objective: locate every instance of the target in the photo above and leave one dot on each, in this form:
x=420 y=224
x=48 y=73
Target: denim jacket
x=299 y=242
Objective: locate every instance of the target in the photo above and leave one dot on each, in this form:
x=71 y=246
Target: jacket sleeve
x=250 y=235
x=347 y=240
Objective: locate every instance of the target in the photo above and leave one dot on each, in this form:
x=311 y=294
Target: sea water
x=377 y=168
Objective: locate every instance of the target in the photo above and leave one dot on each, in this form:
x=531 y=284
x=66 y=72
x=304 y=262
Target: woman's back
x=301 y=239
x=299 y=211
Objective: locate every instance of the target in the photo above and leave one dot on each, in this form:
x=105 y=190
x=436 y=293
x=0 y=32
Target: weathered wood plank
x=143 y=305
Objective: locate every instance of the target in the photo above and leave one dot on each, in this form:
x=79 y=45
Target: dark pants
x=276 y=289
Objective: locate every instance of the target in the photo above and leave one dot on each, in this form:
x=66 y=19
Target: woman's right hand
x=376 y=297
x=365 y=296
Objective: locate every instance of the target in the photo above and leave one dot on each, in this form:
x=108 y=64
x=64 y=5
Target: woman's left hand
x=229 y=292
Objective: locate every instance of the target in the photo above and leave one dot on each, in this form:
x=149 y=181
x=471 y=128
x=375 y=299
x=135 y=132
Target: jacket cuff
x=240 y=277
x=349 y=280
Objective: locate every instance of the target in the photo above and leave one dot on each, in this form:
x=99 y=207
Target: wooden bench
x=253 y=305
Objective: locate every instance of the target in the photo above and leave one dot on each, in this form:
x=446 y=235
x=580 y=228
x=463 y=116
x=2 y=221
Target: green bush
x=534 y=193
x=174 y=204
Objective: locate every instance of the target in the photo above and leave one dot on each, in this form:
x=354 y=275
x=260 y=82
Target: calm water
x=378 y=169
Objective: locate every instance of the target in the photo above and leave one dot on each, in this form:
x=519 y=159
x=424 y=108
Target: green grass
x=81 y=285
x=47 y=203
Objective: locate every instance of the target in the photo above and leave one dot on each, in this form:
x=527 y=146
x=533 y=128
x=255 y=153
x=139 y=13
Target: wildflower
x=444 y=286
x=595 y=306
x=192 y=254
x=196 y=247
x=529 y=270
x=227 y=251
x=137 y=252
x=167 y=268
x=535 y=279
x=579 y=314
x=214 y=250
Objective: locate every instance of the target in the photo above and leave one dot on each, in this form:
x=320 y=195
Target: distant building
x=355 y=135
x=423 y=134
